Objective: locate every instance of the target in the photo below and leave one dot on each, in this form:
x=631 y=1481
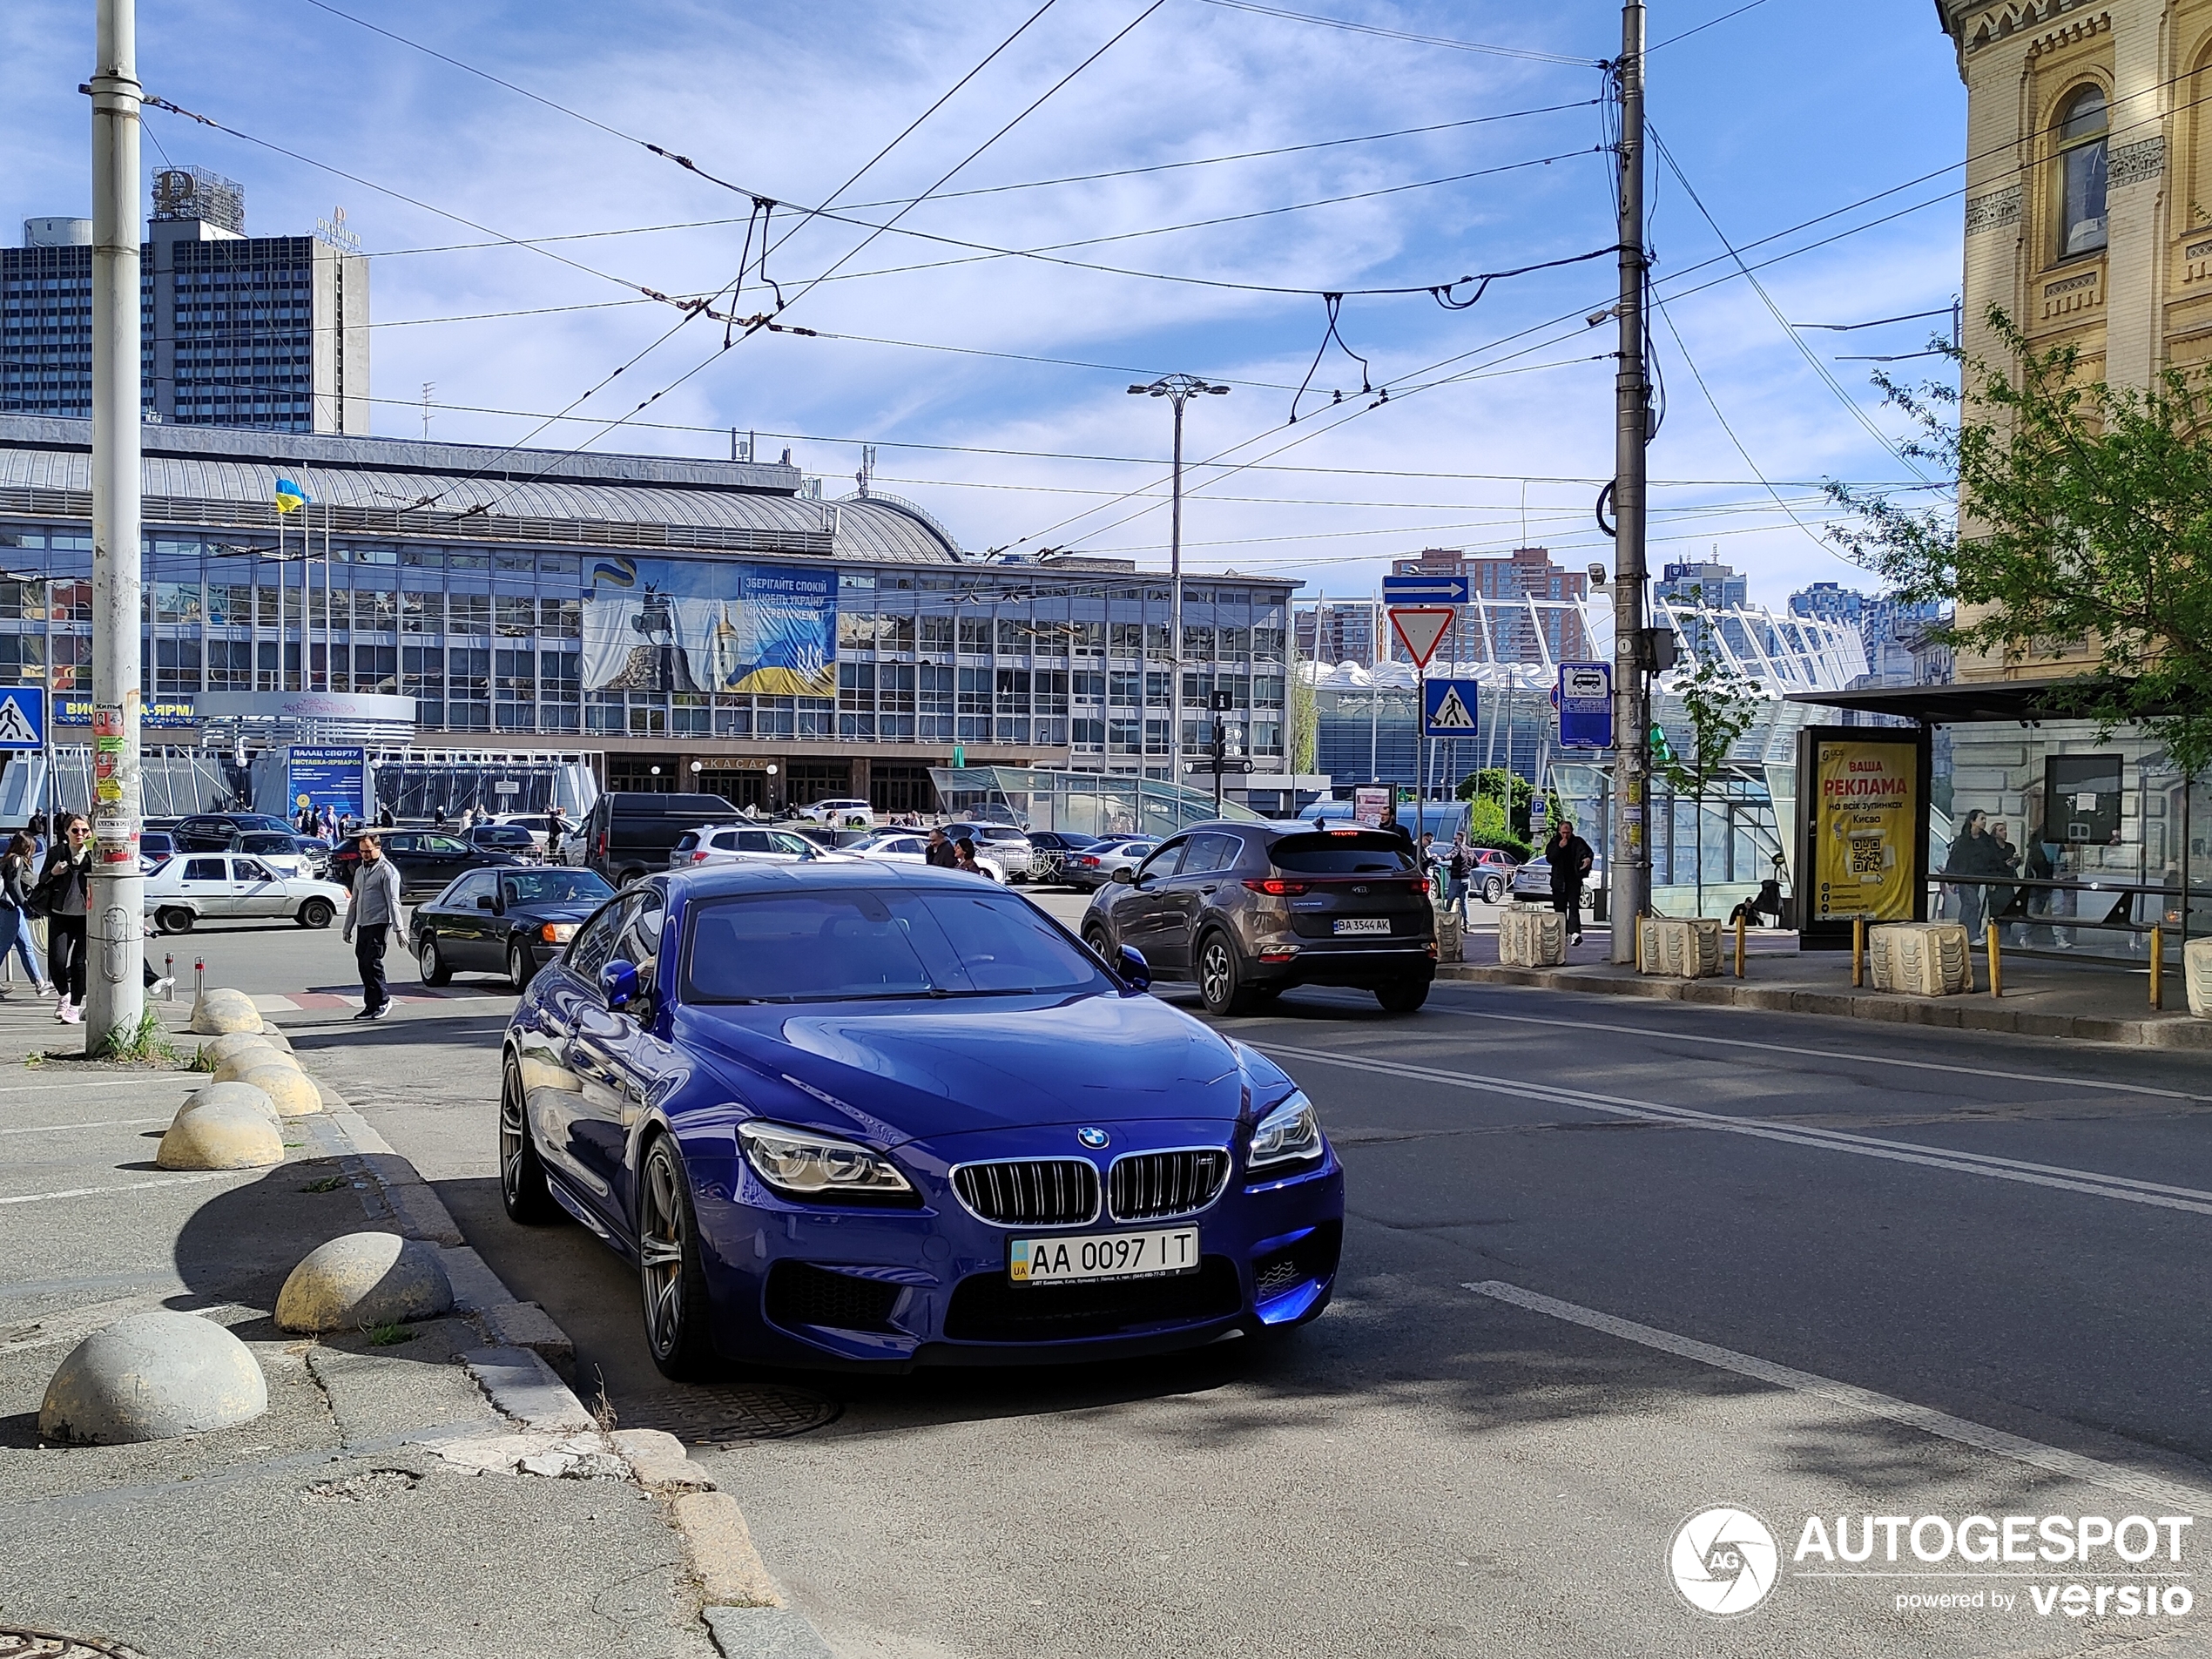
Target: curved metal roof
x=863 y=530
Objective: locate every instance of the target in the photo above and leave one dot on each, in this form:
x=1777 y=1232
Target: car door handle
x=1214 y=889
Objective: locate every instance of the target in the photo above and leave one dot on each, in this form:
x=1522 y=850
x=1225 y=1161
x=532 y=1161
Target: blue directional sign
x=1448 y=708
x=1424 y=589
x=22 y=716
x=1585 y=699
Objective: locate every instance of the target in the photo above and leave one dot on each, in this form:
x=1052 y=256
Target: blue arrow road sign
x=22 y=716
x=1585 y=699
x=1448 y=708
x=1424 y=589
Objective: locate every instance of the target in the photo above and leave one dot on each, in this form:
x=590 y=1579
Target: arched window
x=2082 y=134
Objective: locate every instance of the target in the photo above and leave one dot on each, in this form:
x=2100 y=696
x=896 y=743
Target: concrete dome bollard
x=222 y=1011
x=360 y=1279
x=219 y=1049
x=230 y=1094
x=153 y=1377
x=244 y=1060
x=222 y=1135
x=293 y=1091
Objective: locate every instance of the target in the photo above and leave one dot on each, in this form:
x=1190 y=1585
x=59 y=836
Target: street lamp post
x=1181 y=388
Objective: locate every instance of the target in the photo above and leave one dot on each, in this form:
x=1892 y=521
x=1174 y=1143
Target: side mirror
x=485 y=902
x=1133 y=969
x=618 y=984
x=1126 y=876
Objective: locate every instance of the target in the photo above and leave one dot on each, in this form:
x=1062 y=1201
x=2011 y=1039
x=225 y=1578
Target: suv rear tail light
x=1275 y=886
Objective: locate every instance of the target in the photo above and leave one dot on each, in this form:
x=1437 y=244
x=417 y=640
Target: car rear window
x=1341 y=853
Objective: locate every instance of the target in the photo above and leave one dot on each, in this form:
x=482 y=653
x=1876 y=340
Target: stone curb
x=1951 y=1013
x=744 y=1611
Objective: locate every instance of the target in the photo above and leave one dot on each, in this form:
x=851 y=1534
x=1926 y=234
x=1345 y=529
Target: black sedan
x=212 y=832
x=503 y=921
x=505 y=838
x=427 y=859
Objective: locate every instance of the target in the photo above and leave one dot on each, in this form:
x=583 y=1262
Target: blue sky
x=1776 y=117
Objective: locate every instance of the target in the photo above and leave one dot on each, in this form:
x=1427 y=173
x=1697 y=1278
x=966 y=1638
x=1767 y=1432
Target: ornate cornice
x=1976 y=23
x=1994 y=211
x=2132 y=164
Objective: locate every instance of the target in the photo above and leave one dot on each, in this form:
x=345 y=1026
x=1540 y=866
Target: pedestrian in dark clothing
x=1390 y=825
x=1974 y=856
x=2007 y=859
x=964 y=856
x=66 y=888
x=19 y=874
x=384 y=818
x=1568 y=858
x=372 y=915
x=555 y=829
x=942 y=851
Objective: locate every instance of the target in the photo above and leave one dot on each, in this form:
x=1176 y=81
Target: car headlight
x=798 y=1161
x=1289 y=1133
x=557 y=933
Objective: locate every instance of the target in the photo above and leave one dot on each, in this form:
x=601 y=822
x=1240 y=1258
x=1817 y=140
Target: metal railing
x=2058 y=909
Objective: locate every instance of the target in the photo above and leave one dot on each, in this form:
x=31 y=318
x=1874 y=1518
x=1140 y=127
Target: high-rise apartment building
x=1518 y=608
x=1338 y=632
x=1706 y=585
x=239 y=330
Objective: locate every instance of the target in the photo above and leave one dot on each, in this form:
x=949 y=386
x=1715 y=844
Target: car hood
x=550 y=912
x=891 y=1072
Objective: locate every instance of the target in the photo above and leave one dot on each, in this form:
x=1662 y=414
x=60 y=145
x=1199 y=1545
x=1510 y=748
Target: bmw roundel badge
x=1093 y=1138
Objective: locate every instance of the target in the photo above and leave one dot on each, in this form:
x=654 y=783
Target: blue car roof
x=713 y=880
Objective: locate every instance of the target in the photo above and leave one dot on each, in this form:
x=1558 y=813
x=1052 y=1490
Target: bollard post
x=1858 y=952
x=2157 y=968
x=1739 y=944
x=1996 y=961
x=169 y=973
x=199 y=979
x=1638 y=925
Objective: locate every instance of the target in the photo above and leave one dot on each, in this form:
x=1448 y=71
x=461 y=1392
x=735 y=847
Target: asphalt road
x=1608 y=1264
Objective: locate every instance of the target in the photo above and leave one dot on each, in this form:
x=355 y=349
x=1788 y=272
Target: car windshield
x=553 y=887
x=1341 y=853
x=848 y=945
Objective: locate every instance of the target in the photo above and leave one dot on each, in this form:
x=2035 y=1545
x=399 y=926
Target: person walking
x=372 y=916
x=66 y=888
x=964 y=857
x=1458 y=867
x=555 y=829
x=1568 y=858
x=18 y=874
x=1390 y=825
x=941 y=852
x=1975 y=855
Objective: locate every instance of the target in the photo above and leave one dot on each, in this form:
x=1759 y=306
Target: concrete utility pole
x=1628 y=862
x=1181 y=389
x=114 y=994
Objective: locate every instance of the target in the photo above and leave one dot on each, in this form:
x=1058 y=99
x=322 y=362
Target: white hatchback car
x=903 y=846
x=746 y=844
x=192 y=887
x=844 y=814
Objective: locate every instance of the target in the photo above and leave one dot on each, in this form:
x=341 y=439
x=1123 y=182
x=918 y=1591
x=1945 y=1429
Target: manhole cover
x=51 y=1644
x=718 y=1416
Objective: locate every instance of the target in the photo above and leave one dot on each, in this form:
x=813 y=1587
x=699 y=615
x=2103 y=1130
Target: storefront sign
x=168 y=714
x=1866 y=813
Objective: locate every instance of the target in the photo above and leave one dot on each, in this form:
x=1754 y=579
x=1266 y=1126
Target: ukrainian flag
x=290 y=498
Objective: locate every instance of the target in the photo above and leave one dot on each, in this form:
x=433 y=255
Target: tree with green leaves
x=2085 y=549
x=1721 y=702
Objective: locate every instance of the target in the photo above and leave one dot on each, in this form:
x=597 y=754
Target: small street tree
x=2086 y=540
x=1721 y=702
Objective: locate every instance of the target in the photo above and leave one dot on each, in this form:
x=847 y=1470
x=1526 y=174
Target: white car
x=193 y=888
x=746 y=844
x=1122 y=855
x=534 y=822
x=844 y=814
x=904 y=847
x=1006 y=844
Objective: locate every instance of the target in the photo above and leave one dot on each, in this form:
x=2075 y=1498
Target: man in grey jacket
x=369 y=921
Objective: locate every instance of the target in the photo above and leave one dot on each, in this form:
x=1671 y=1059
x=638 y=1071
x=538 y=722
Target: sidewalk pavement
x=445 y=1493
x=2078 y=1002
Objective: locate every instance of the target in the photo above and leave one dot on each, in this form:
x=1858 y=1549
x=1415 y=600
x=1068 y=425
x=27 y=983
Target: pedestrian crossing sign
x=22 y=716
x=1448 y=708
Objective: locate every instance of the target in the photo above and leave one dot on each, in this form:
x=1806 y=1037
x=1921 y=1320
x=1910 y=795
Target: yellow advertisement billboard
x=1865 y=828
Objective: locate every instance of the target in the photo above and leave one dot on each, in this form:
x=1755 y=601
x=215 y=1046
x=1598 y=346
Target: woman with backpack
x=18 y=869
x=65 y=889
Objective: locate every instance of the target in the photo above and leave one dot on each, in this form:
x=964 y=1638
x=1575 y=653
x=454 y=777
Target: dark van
x=632 y=834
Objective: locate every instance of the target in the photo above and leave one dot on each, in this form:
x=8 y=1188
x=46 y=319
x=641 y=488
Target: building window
x=974 y=636
x=937 y=635
x=2082 y=133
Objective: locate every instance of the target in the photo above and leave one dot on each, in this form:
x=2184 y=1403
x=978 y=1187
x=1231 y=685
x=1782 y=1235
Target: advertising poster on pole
x=1863 y=807
x=1368 y=805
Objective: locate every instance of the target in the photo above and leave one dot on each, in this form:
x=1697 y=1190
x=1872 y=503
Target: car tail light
x=1086 y=859
x=602 y=846
x=1277 y=955
x=1275 y=886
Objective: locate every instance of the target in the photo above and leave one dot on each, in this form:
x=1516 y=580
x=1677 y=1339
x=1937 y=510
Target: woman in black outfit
x=65 y=883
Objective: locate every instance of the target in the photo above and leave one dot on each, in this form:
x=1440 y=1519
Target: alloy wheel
x=1217 y=973
x=510 y=1140
x=661 y=1252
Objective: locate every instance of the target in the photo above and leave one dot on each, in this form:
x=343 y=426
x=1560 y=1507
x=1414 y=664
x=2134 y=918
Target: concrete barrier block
x=153 y=1377
x=2196 y=972
x=244 y=1060
x=234 y=1133
x=1920 y=958
x=221 y=1011
x=361 y=1279
x=1681 y=947
x=1530 y=937
x=219 y=1049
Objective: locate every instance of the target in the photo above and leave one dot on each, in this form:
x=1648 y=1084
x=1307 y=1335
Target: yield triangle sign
x=1421 y=628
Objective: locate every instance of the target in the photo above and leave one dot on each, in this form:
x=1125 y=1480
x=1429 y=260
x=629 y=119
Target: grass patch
x=146 y=1043
x=328 y=1183
x=388 y=1336
x=201 y=1060
x=34 y=1060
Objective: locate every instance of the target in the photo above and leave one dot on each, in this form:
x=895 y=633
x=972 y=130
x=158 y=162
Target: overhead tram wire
x=1410 y=39
x=1709 y=22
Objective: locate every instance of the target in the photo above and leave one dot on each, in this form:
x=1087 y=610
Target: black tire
x=432 y=962
x=1221 y=985
x=671 y=1283
x=629 y=876
x=174 y=919
x=1095 y=938
x=522 y=967
x=1494 y=890
x=1404 y=997
x=522 y=1191
x=316 y=913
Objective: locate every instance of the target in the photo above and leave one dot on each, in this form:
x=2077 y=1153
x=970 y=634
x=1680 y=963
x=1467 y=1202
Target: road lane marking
x=2192 y=1199
x=95 y=1083
x=105 y=1122
x=134 y=1186
x=2176 y=1497
x=1829 y=1053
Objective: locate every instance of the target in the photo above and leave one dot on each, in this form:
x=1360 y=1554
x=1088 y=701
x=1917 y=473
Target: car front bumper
x=804 y=1286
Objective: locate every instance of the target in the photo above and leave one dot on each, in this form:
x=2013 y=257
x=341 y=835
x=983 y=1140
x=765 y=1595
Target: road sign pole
x=1628 y=858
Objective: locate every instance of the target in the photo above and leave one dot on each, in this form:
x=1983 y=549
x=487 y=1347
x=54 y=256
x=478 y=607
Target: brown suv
x=1248 y=910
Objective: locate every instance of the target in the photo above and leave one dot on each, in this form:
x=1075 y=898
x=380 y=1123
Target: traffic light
x=1662 y=751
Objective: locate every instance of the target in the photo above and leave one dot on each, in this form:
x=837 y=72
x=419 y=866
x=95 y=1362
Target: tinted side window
x=1211 y=851
x=752 y=841
x=1164 y=861
x=587 y=951
x=204 y=870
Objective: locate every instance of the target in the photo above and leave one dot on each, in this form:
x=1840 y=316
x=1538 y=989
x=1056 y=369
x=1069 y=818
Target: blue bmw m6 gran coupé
x=880 y=1114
